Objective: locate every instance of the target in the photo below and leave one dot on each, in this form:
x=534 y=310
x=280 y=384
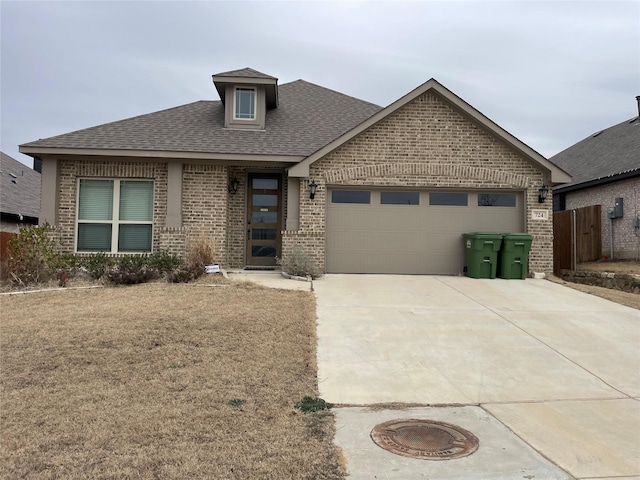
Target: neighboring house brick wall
x=626 y=239
x=425 y=144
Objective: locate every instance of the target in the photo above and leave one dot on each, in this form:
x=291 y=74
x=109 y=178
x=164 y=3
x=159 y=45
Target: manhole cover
x=424 y=439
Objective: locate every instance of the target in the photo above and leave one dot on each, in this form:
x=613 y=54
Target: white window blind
x=115 y=216
x=96 y=200
x=136 y=201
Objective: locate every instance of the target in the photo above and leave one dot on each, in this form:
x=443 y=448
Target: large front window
x=115 y=216
x=245 y=108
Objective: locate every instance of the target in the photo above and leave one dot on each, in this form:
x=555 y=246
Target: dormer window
x=247 y=95
x=245 y=104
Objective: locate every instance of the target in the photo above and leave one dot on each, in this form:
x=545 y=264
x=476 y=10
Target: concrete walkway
x=546 y=377
x=269 y=279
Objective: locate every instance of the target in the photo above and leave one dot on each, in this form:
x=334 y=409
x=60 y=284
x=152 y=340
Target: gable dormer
x=247 y=95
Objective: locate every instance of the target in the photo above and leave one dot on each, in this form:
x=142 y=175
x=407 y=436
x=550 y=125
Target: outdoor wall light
x=233 y=185
x=542 y=193
x=313 y=186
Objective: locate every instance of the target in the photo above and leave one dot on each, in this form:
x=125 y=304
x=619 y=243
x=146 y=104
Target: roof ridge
x=331 y=90
x=240 y=71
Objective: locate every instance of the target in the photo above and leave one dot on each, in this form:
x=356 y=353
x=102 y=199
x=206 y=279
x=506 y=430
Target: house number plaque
x=539 y=215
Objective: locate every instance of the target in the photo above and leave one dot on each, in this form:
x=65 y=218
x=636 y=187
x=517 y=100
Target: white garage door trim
x=404 y=237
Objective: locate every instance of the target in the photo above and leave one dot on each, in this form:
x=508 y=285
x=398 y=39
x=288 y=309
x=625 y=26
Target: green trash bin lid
x=518 y=236
x=484 y=235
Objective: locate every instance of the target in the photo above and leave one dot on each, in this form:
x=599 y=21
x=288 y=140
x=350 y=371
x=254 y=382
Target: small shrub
x=33 y=255
x=96 y=264
x=185 y=273
x=201 y=252
x=163 y=261
x=310 y=404
x=130 y=270
x=298 y=263
x=133 y=261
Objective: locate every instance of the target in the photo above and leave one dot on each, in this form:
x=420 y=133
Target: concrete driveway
x=548 y=377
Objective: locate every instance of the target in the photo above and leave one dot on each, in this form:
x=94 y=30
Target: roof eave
x=161 y=154
x=598 y=181
x=18 y=218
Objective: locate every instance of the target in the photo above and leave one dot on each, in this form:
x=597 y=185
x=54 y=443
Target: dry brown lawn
x=630 y=267
x=136 y=382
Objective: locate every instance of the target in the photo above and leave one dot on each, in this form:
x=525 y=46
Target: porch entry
x=264 y=219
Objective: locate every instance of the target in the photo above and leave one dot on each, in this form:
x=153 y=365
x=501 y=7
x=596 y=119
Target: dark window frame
x=354 y=201
x=433 y=197
x=415 y=195
x=501 y=199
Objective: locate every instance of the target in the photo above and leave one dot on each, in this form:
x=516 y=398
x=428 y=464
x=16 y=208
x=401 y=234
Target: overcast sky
x=549 y=72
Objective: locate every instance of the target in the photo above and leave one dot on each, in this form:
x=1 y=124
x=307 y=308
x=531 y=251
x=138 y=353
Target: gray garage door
x=414 y=232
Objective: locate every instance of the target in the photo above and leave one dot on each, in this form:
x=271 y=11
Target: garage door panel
x=375 y=262
x=370 y=218
x=412 y=239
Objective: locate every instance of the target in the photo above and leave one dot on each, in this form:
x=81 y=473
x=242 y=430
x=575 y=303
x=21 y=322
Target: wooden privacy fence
x=577 y=237
x=4 y=244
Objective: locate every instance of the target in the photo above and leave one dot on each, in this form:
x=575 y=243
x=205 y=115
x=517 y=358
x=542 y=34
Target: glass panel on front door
x=264 y=214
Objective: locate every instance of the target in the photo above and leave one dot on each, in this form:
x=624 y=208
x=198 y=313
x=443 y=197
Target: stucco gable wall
x=427 y=143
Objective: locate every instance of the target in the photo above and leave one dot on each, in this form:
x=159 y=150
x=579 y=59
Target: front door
x=264 y=219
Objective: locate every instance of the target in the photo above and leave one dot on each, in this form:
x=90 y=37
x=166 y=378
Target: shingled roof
x=308 y=117
x=606 y=155
x=19 y=189
x=245 y=72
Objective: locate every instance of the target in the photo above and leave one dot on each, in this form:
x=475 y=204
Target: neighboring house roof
x=605 y=156
x=307 y=118
x=19 y=190
x=557 y=174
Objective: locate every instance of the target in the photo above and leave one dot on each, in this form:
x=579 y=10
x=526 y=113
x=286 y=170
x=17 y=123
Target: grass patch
x=311 y=405
x=136 y=382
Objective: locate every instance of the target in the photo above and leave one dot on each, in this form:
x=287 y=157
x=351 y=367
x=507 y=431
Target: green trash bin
x=514 y=255
x=481 y=254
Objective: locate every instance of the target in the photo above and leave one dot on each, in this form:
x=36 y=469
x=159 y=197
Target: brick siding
x=204 y=202
x=626 y=238
x=425 y=144
x=209 y=212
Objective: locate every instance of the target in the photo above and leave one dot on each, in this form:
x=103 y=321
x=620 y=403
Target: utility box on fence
x=481 y=254
x=514 y=255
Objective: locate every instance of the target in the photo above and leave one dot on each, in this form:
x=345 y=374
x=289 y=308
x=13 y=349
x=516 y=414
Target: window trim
x=115 y=221
x=235 y=103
